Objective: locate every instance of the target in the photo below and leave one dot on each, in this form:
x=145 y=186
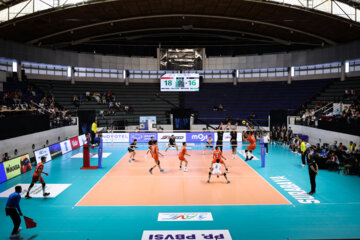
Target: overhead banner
x=74 y=143
x=187 y=234
x=116 y=137
x=17 y=166
x=2 y=173
x=164 y=137
x=142 y=137
x=44 y=152
x=65 y=146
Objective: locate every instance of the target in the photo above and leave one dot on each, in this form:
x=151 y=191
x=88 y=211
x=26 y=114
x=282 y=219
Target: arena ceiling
x=138 y=27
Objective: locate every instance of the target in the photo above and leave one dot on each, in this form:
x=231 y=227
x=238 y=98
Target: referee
x=313 y=170
x=13 y=210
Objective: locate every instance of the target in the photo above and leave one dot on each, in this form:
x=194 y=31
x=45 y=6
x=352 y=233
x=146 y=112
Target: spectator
x=333 y=162
x=76 y=101
x=87 y=94
x=220 y=108
x=93 y=131
x=346 y=94
x=333 y=147
x=5 y=157
x=96 y=96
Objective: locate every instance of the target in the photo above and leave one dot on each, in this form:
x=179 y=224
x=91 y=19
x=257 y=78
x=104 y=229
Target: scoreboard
x=180 y=82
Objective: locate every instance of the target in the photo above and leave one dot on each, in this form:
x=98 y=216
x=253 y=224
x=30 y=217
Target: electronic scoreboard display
x=180 y=82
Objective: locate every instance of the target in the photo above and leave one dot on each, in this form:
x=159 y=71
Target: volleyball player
x=209 y=144
x=182 y=158
x=220 y=134
x=218 y=155
x=215 y=169
x=132 y=151
x=150 y=143
x=252 y=140
x=155 y=155
x=38 y=178
x=172 y=143
x=233 y=140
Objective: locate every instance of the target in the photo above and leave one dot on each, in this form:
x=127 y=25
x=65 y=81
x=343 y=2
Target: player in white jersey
x=215 y=169
x=209 y=144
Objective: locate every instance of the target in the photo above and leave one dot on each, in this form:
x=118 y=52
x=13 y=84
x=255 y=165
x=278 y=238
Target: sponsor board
x=44 y=152
x=242 y=153
x=17 y=166
x=74 y=142
x=164 y=137
x=65 y=146
x=55 y=150
x=2 y=173
x=82 y=139
x=187 y=234
x=199 y=137
x=173 y=217
x=142 y=137
x=294 y=191
x=92 y=155
x=115 y=137
x=36 y=191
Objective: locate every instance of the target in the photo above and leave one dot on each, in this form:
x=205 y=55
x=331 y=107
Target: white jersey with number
x=216 y=169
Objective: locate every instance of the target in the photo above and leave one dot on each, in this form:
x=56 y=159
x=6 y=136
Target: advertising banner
x=116 y=137
x=142 y=137
x=187 y=234
x=176 y=217
x=65 y=146
x=55 y=150
x=82 y=139
x=12 y=168
x=74 y=143
x=164 y=137
x=44 y=152
x=2 y=173
x=197 y=137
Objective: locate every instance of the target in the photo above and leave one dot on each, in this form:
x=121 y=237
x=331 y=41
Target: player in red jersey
x=38 y=178
x=217 y=154
x=155 y=155
x=252 y=140
x=182 y=158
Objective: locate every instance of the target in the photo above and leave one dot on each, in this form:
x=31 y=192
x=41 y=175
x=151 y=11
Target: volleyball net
x=195 y=137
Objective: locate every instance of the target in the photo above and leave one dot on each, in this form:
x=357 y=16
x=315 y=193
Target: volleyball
x=243 y=122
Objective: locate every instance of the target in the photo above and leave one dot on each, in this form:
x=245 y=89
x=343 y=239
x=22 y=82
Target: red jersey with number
x=182 y=153
x=217 y=154
x=251 y=139
x=39 y=168
x=154 y=151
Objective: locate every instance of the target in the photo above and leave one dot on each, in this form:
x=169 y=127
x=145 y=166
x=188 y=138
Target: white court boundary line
x=99 y=181
x=291 y=203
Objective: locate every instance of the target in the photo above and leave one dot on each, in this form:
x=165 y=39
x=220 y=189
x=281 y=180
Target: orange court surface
x=131 y=184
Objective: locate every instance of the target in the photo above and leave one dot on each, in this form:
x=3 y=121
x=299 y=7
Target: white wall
x=24 y=143
x=324 y=136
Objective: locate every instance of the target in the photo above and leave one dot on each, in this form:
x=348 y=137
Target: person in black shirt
x=313 y=170
x=150 y=143
x=233 y=140
x=172 y=143
x=220 y=134
x=132 y=151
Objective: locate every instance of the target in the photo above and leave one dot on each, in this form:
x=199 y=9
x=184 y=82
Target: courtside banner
x=142 y=137
x=74 y=142
x=199 y=137
x=116 y=137
x=82 y=139
x=55 y=150
x=65 y=146
x=180 y=217
x=2 y=173
x=187 y=234
x=17 y=166
x=44 y=152
x=164 y=137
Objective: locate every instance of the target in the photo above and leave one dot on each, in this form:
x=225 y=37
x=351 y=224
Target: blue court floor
x=333 y=212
